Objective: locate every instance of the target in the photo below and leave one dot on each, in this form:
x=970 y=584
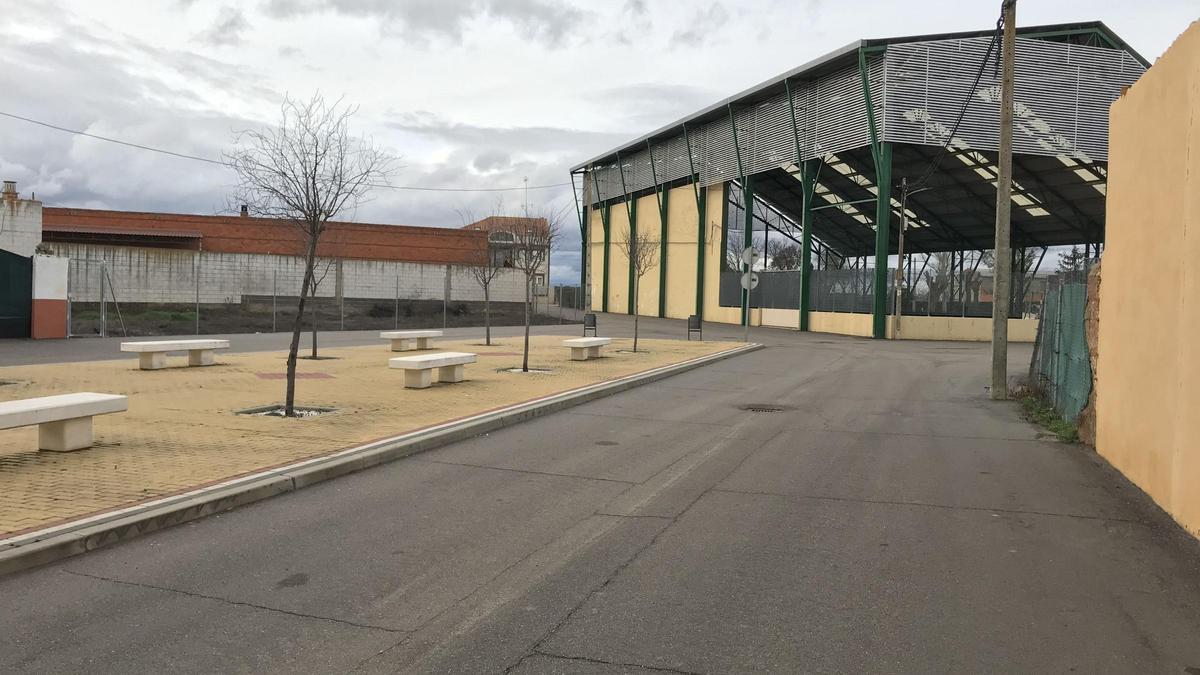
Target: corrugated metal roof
x=826 y=66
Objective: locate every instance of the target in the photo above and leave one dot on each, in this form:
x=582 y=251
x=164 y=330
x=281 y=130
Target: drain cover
x=763 y=408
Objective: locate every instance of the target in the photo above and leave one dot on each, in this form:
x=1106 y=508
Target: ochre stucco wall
x=618 y=267
x=842 y=323
x=713 y=311
x=648 y=225
x=596 y=259
x=961 y=329
x=682 y=236
x=1148 y=369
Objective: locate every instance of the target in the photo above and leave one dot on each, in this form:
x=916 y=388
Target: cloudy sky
x=469 y=93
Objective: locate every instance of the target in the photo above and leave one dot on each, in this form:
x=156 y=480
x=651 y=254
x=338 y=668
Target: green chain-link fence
x=1061 y=368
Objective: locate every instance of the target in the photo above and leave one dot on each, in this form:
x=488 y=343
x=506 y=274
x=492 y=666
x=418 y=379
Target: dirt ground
x=255 y=315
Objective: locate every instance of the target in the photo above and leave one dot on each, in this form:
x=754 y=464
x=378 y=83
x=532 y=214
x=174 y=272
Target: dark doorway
x=16 y=294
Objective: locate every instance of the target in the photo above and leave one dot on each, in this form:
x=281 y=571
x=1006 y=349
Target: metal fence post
x=396 y=310
x=103 y=301
x=197 y=275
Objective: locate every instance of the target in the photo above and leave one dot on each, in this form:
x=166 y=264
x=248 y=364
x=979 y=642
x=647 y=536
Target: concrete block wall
x=20 y=226
x=164 y=275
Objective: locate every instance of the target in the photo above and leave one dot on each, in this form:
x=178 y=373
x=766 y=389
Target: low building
x=169 y=258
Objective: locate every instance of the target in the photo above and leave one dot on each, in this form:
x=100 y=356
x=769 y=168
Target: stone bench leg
x=579 y=353
x=200 y=357
x=422 y=343
x=403 y=345
x=450 y=374
x=152 y=360
x=593 y=352
x=418 y=379
x=65 y=435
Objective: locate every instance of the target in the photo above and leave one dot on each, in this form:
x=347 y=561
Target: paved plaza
x=181 y=431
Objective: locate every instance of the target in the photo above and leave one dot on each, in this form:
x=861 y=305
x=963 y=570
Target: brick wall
x=236 y=234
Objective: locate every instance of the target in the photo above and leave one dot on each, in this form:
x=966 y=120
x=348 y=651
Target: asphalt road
x=890 y=518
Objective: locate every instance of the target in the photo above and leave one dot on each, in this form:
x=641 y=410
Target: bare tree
x=485 y=266
x=306 y=171
x=641 y=250
x=531 y=241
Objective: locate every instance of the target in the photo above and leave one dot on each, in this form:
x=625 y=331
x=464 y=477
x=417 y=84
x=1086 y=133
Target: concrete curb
x=54 y=543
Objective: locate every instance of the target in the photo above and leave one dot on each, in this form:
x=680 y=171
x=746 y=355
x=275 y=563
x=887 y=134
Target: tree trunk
x=528 y=295
x=314 y=325
x=487 y=317
x=289 y=404
x=636 y=284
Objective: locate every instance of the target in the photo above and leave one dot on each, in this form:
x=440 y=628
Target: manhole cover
x=764 y=408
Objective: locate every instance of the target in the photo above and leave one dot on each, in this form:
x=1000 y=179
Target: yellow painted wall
x=781 y=318
x=596 y=258
x=681 y=253
x=1148 y=370
x=713 y=311
x=842 y=323
x=963 y=329
x=618 y=266
x=648 y=224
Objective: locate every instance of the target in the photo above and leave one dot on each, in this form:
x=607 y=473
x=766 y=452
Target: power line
x=218 y=162
x=987 y=56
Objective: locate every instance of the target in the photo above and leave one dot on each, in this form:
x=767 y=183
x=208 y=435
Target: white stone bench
x=64 y=421
x=418 y=370
x=410 y=340
x=153 y=354
x=586 y=348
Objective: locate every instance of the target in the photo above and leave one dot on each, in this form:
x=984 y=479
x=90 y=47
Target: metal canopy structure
x=864 y=116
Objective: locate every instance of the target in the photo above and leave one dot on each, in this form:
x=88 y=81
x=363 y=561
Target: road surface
x=875 y=512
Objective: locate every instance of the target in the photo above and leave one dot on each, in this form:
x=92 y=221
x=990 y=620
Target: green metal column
x=808 y=184
x=701 y=195
x=882 y=153
x=660 y=195
x=701 y=245
x=883 y=216
x=631 y=239
x=662 y=255
x=747 y=241
x=748 y=205
x=606 y=220
x=584 y=212
x=632 y=210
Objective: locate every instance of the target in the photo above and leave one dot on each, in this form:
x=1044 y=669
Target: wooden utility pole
x=1001 y=282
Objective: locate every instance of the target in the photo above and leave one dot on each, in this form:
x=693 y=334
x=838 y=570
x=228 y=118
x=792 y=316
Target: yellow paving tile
x=181 y=430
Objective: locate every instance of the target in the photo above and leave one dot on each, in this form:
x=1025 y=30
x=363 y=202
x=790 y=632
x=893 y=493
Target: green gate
x=16 y=294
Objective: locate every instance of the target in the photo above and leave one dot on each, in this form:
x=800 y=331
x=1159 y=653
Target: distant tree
x=531 y=241
x=784 y=255
x=484 y=268
x=1073 y=265
x=306 y=171
x=641 y=252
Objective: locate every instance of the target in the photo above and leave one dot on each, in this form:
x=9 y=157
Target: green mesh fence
x=1060 y=358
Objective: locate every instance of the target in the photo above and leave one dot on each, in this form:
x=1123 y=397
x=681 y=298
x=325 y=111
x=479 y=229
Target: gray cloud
x=643 y=106
x=703 y=23
x=491 y=160
x=546 y=21
x=227 y=29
